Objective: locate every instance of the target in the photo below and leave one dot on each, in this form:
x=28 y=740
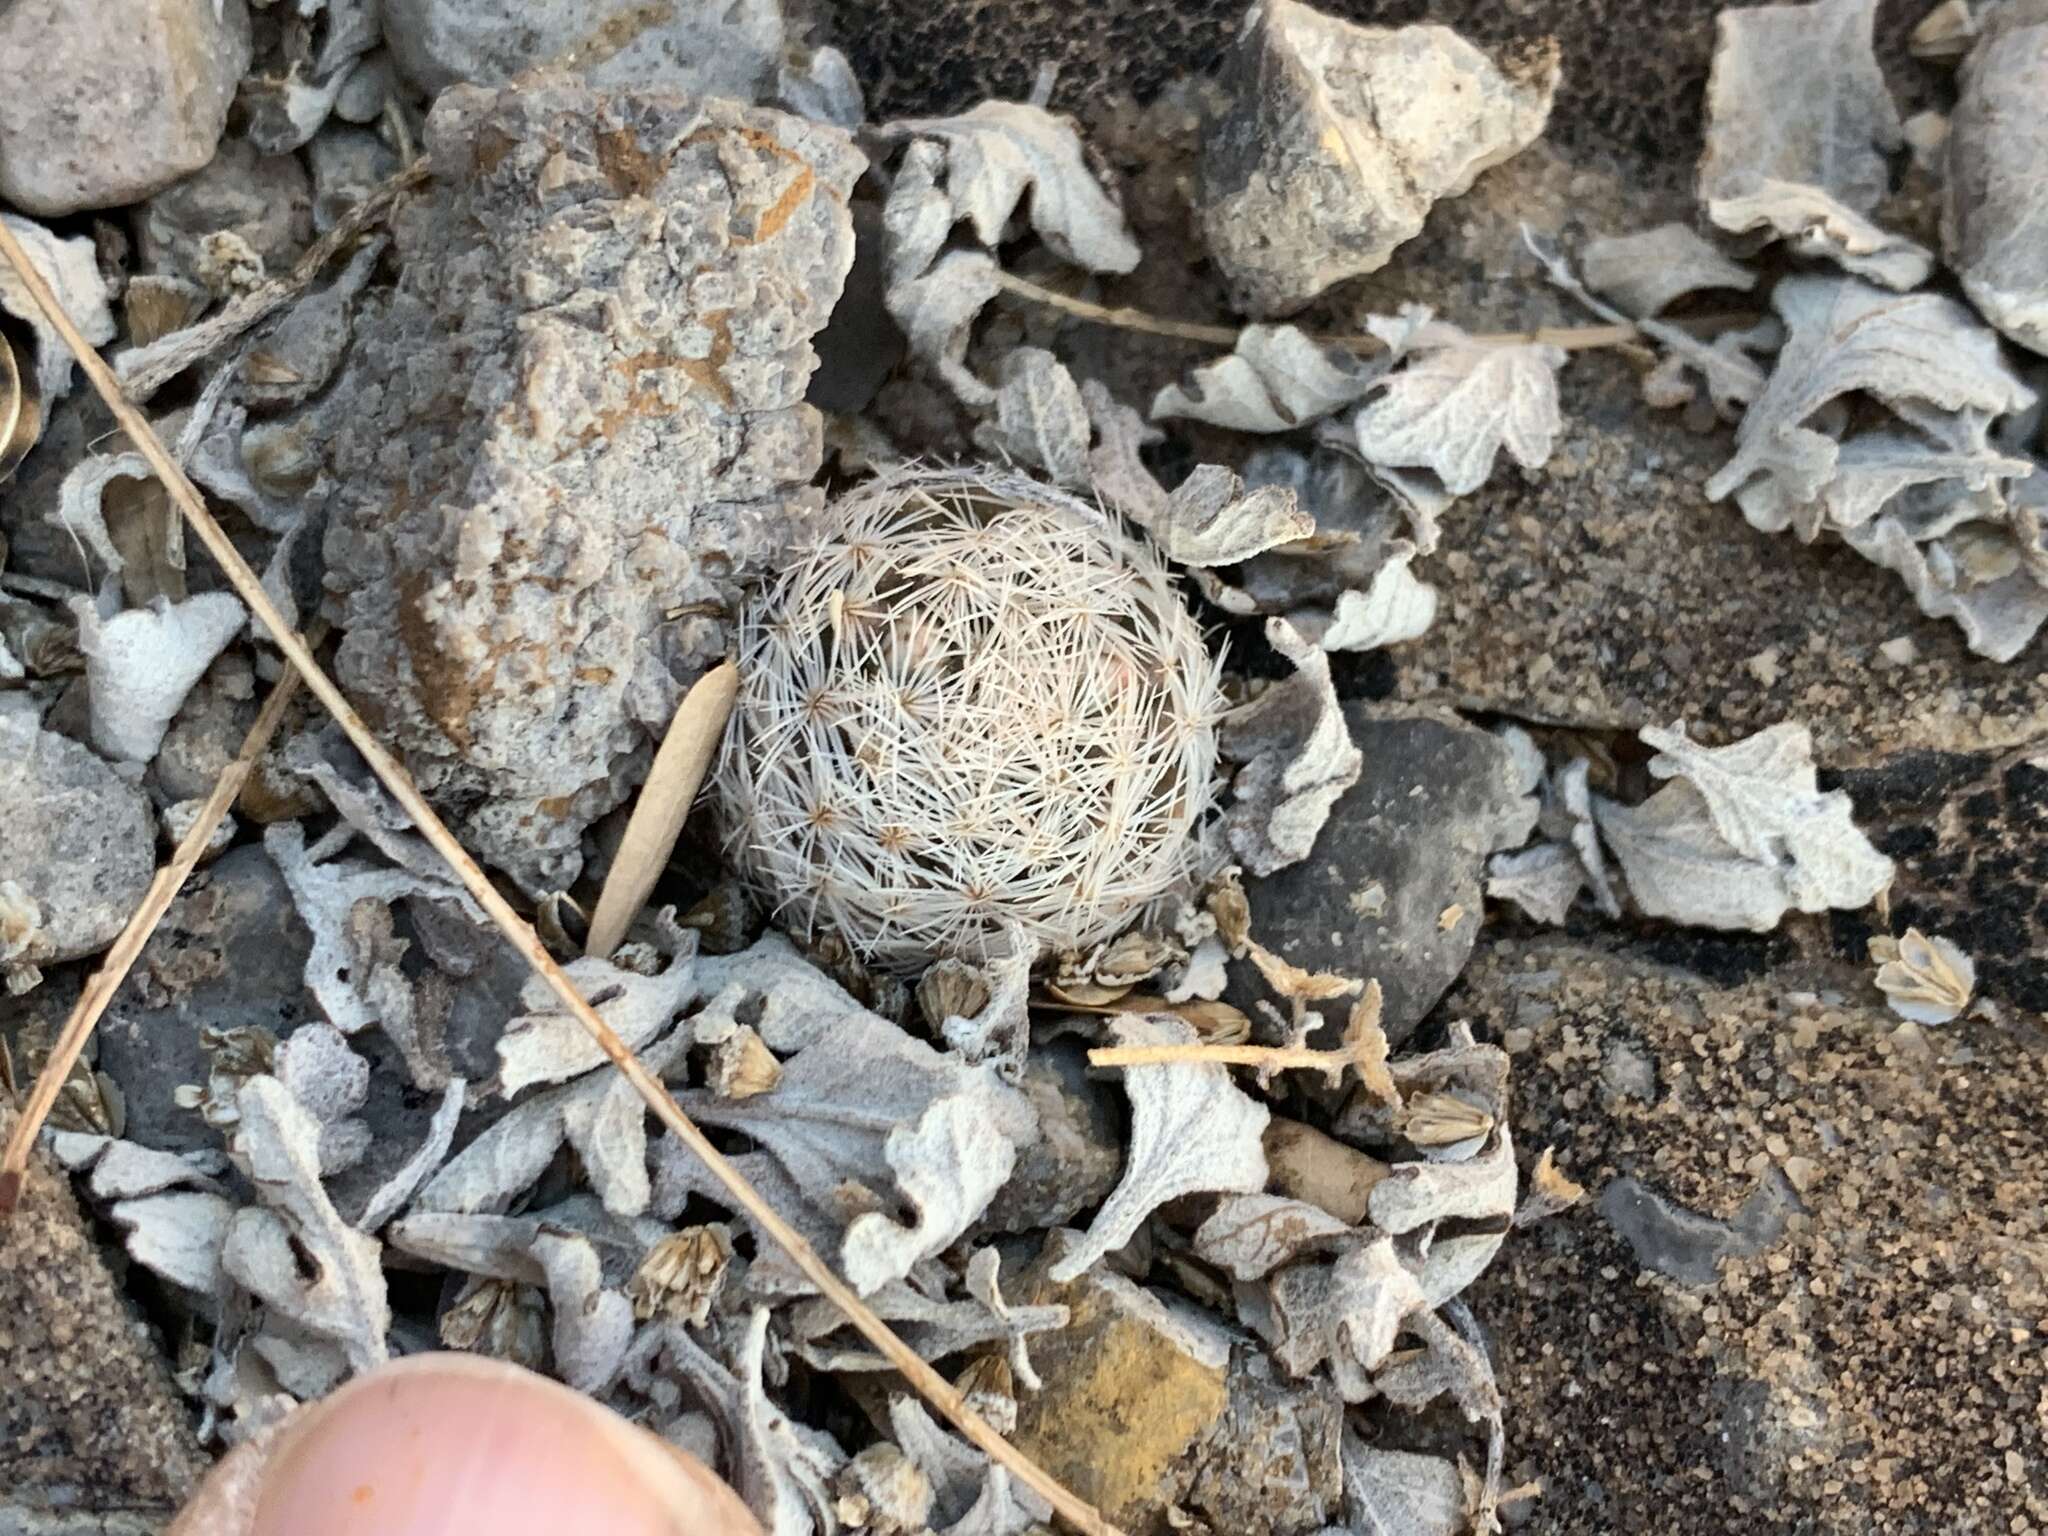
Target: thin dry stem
x=663 y=806
x=934 y=1387
x=1571 y=338
x=126 y=949
x=1363 y=1050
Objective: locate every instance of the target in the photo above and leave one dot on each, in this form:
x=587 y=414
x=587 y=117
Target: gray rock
x=1687 y=1246
x=372 y=83
x=231 y=953
x=76 y=837
x=565 y=435
x=1271 y=1466
x=1392 y=889
x=1998 y=173
x=727 y=48
x=206 y=733
x=1340 y=138
x=104 y=105
x=347 y=163
x=265 y=201
x=1078 y=1155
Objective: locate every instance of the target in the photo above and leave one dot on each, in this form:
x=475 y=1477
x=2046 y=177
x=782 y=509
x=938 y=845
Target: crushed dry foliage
x=977 y=740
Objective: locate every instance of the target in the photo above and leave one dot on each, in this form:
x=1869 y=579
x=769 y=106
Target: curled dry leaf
x=547 y=1045
x=995 y=157
x=1250 y=1236
x=1647 y=272
x=937 y=309
x=1401 y=1493
x=1298 y=759
x=1926 y=979
x=1040 y=421
x=1276 y=379
x=139 y=665
x=330 y=1081
x=1815 y=225
x=295 y=1253
x=391 y=1196
x=71 y=269
x=1741 y=834
x=1192 y=1129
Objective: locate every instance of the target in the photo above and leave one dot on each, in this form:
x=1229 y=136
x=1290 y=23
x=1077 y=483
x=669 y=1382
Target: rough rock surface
x=1131 y=1389
x=230 y=953
x=710 y=49
x=75 y=836
x=105 y=104
x=1392 y=889
x=1878 y=1365
x=1339 y=140
x=1078 y=1155
x=577 y=419
x=89 y=1423
x=1993 y=225
x=1270 y=1466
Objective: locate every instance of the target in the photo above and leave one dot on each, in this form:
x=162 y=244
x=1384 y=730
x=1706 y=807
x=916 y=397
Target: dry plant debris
x=528 y=422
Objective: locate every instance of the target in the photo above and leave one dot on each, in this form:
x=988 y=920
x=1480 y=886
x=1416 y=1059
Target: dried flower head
x=974 y=701
x=680 y=1275
x=500 y=1318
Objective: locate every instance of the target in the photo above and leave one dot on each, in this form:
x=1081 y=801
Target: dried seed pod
x=500 y=1318
x=681 y=1275
x=882 y=1492
x=951 y=989
x=973 y=701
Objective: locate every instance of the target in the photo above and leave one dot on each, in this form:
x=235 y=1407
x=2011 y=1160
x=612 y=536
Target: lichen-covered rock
x=568 y=434
x=1997 y=184
x=1340 y=138
x=103 y=105
x=89 y=1422
x=1131 y=1388
x=711 y=49
x=75 y=837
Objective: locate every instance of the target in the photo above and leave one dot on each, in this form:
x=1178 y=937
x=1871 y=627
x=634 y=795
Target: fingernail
x=444 y=1444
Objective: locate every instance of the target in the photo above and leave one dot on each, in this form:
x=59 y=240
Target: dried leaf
x=1815 y=225
x=391 y=1196
x=1192 y=1129
x=269 y=1250
x=547 y=1045
x=1847 y=336
x=1250 y=1236
x=1679 y=867
x=937 y=310
x=1346 y=1312
x=139 y=665
x=1647 y=272
x=1764 y=800
x=1116 y=470
x=999 y=1030
x=330 y=1081
x=1457 y=402
x=948 y=1167
x=1274 y=380
x=1417 y=1194
x=1395 y=607
x=788 y=1000
x=1927 y=980
x=125 y=1170
x=1998 y=612
x=1772 y=115
x=935 y=1329
x=1210 y=519
x=1002 y=152
x=1040 y=421
x=177 y=1235
x=868 y=1107
x=1542 y=880
x=1298 y=759
x=593 y=1324
x=971 y=1495
x=599 y=1115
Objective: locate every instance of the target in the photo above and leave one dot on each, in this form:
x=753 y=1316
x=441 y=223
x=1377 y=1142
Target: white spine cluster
x=973 y=702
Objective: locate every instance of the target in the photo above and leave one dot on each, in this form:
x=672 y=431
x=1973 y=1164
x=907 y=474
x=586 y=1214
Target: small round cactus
x=973 y=702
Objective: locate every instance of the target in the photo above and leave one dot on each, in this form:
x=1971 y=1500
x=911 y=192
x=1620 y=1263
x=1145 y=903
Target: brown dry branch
x=664 y=803
x=126 y=949
x=1363 y=1050
x=929 y=1383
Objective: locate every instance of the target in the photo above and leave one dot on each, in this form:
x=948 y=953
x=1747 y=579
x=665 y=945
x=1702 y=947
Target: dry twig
x=934 y=1387
x=664 y=804
x=1364 y=1050
x=122 y=955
